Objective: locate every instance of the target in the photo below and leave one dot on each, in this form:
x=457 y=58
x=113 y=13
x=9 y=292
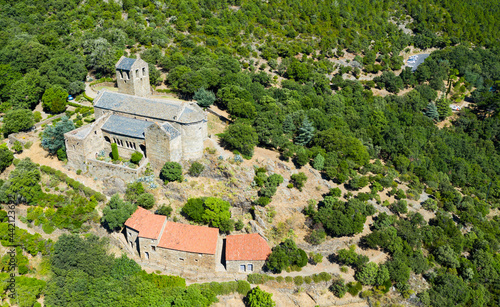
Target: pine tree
x=443 y=108
x=432 y=111
x=288 y=125
x=204 y=98
x=306 y=132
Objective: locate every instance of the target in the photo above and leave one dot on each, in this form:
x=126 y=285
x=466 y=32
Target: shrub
x=17 y=147
x=239 y=225
x=146 y=200
x=319 y=162
x=196 y=168
x=298 y=280
x=257 y=279
x=316 y=237
x=324 y=276
x=298 y=180
x=6 y=158
x=263 y=201
x=79 y=172
x=61 y=154
x=280 y=279
x=289 y=279
x=136 y=157
x=114 y=152
x=258 y=298
x=243 y=287
x=354 y=288
x=316 y=278
x=171 y=171
x=316 y=258
x=164 y=210
x=308 y=280
x=338 y=288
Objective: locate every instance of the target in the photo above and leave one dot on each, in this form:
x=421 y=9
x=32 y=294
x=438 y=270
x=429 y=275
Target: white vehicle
x=455 y=107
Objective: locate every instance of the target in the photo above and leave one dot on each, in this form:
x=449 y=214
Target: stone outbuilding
x=246 y=253
x=168 y=243
x=161 y=129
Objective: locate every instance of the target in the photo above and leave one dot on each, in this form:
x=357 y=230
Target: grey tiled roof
x=130 y=127
x=163 y=110
x=170 y=129
x=125 y=63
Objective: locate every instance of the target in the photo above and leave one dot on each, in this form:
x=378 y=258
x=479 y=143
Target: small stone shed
x=246 y=253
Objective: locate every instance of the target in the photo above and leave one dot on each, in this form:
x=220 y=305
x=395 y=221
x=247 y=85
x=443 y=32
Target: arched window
x=107 y=139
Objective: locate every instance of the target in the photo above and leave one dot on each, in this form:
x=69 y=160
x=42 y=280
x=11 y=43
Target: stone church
x=161 y=129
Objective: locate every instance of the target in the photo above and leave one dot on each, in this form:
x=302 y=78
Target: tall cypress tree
x=306 y=132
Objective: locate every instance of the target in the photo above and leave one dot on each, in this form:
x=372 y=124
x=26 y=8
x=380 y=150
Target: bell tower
x=132 y=76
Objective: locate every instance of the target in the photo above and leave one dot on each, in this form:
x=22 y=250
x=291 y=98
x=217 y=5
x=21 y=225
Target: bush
x=6 y=158
x=354 y=288
x=324 y=276
x=136 y=157
x=263 y=201
x=196 y=168
x=61 y=154
x=280 y=279
x=316 y=237
x=114 y=152
x=171 y=171
x=146 y=200
x=298 y=280
x=239 y=225
x=258 y=298
x=164 y=210
x=257 y=279
x=79 y=172
x=308 y=280
x=298 y=180
x=289 y=279
x=243 y=287
x=338 y=288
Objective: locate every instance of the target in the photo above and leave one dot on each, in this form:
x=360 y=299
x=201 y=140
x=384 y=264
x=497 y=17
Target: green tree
x=432 y=111
x=298 y=180
x=240 y=108
x=241 y=137
x=53 y=136
x=54 y=99
x=171 y=171
x=133 y=191
x=305 y=133
x=216 y=211
x=447 y=256
x=6 y=157
x=26 y=92
x=154 y=75
x=117 y=212
x=114 y=152
x=367 y=275
x=17 y=120
x=194 y=209
x=146 y=200
x=319 y=162
x=136 y=157
x=23 y=185
x=204 y=98
x=338 y=288
x=258 y=298
x=443 y=108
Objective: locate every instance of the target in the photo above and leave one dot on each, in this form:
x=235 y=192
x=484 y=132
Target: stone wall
x=169 y=257
x=193 y=136
x=234 y=266
x=101 y=169
x=160 y=148
x=131 y=237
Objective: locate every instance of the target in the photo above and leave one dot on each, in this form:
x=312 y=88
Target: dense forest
x=273 y=66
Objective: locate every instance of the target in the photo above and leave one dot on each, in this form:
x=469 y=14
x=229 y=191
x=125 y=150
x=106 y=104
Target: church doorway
x=143 y=149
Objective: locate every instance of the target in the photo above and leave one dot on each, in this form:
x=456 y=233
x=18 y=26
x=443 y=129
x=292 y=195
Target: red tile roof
x=189 y=238
x=146 y=223
x=247 y=247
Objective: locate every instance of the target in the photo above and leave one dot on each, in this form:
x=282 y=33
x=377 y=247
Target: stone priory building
x=161 y=129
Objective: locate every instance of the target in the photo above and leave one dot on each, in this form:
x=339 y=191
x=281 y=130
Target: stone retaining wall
x=101 y=169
